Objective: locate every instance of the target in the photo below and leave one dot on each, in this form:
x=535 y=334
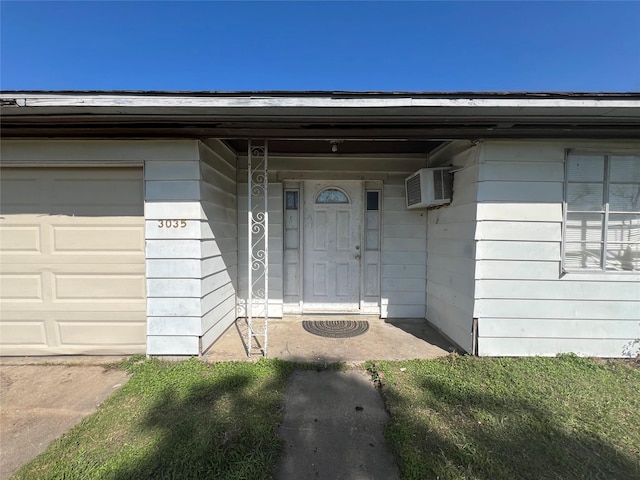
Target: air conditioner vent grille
x=442 y=184
x=447 y=180
x=437 y=184
x=414 y=195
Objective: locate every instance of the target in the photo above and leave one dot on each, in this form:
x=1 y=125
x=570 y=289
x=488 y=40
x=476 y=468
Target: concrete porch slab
x=397 y=339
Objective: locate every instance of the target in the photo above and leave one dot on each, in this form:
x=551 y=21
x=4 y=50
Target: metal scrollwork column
x=258 y=246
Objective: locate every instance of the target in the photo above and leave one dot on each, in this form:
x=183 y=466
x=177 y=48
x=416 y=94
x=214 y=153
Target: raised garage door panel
x=72 y=271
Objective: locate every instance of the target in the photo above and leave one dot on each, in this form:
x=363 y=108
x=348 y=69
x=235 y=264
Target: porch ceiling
x=97 y=125
x=347 y=146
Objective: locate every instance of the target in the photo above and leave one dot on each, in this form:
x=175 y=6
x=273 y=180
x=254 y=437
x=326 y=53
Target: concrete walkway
x=333 y=428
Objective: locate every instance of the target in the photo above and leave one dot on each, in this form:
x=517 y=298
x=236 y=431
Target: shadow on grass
x=223 y=427
x=499 y=437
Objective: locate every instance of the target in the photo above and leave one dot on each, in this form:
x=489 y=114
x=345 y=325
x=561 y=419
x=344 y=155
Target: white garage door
x=72 y=263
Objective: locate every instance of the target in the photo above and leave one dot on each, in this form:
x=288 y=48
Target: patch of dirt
x=41 y=402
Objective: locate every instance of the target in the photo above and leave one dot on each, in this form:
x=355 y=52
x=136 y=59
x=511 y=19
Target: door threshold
x=328 y=314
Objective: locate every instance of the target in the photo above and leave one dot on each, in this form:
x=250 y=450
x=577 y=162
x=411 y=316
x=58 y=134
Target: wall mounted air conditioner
x=429 y=187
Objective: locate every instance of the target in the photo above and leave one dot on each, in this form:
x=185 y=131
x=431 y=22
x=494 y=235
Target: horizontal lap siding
x=173 y=255
x=524 y=305
x=275 y=250
x=219 y=284
x=515 y=346
x=403 y=255
x=451 y=253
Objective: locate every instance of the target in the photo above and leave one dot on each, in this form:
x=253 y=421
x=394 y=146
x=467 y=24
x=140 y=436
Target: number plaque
x=172 y=223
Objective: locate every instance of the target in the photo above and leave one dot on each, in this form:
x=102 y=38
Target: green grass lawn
x=452 y=418
x=188 y=420
x=534 y=418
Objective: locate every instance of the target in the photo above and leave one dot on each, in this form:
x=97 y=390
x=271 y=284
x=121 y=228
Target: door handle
x=357 y=256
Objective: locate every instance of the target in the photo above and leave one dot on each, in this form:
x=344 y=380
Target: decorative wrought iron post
x=258 y=246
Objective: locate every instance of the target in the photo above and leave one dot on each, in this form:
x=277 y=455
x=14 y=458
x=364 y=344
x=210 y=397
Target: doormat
x=336 y=328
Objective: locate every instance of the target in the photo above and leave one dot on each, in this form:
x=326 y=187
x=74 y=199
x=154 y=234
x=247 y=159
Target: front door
x=332 y=225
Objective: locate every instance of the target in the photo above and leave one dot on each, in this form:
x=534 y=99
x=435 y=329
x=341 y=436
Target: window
x=291 y=220
x=602 y=223
x=291 y=199
x=373 y=201
x=332 y=195
x=372 y=221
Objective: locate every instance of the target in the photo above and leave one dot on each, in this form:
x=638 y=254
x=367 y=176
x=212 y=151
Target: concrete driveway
x=38 y=403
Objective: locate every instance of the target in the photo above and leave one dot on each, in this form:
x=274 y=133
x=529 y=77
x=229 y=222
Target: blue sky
x=416 y=46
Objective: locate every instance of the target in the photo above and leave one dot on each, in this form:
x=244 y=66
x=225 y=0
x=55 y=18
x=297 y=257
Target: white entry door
x=332 y=248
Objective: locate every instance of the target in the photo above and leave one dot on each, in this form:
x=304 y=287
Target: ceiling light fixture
x=334 y=145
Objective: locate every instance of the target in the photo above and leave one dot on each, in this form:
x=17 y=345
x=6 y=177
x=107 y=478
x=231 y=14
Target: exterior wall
x=524 y=304
x=174 y=255
x=403 y=240
x=191 y=269
x=219 y=240
x=451 y=253
x=274 y=203
x=404 y=253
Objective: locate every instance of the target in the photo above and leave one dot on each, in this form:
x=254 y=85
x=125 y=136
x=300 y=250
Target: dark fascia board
x=380 y=132
x=336 y=114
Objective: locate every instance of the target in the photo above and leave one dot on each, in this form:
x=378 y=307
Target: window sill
x=599 y=275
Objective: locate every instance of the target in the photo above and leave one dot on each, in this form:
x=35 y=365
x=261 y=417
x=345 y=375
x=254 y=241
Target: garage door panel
x=27 y=333
x=21 y=287
x=19 y=239
x=98 y=287
x=72 y=264
x=60 y=262
x=18 y=350
x=81 y=334
x=68 y=307
x=104 y=239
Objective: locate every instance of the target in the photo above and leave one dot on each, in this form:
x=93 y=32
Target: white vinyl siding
x=172 y=192
x=219 y=240
x=404 y=255
x=524 y=303
x=452 y=250
x=191 y=270
x=275 y=218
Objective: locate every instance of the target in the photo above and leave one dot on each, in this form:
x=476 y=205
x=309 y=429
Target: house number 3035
x=172 y=223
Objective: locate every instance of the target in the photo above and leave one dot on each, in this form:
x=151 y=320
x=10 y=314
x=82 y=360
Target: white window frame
x=607 y=154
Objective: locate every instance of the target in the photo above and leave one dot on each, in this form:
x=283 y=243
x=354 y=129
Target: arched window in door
x=332 y=195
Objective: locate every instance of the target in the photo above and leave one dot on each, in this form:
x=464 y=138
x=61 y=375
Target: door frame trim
x=365 y=308
x=373 y=186
x=333 y=183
